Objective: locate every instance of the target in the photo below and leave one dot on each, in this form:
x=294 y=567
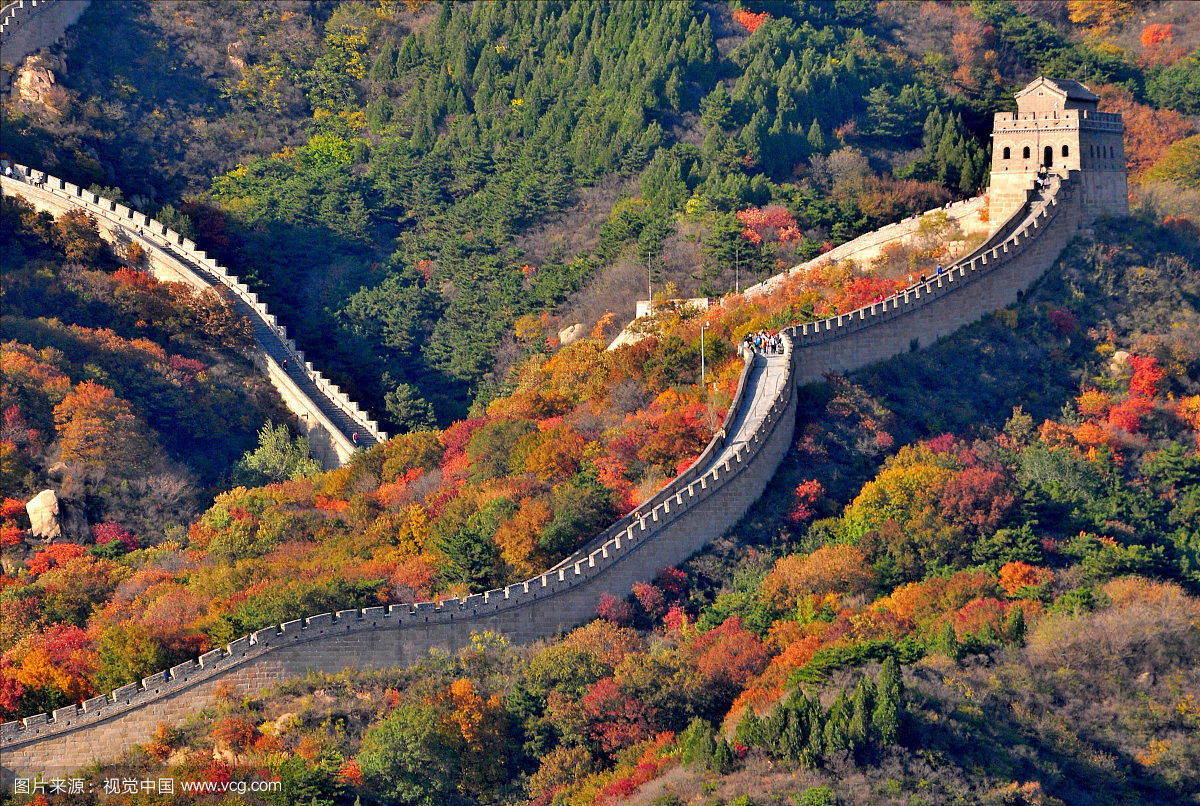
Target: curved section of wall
x=695 y=508
x=333 y=420
x=991 y=277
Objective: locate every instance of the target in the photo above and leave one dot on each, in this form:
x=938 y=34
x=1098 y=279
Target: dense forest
x=977 y=591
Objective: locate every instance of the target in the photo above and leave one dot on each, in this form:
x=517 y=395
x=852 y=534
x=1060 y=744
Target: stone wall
x=174 y=258
x=991 y=277
x=972 y=216
x=27 y=25
x=695 y=508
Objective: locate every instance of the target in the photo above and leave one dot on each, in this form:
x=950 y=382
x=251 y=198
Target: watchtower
x=1057 y=128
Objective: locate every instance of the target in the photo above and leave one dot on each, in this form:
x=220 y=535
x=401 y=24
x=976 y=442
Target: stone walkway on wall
x=763 y=386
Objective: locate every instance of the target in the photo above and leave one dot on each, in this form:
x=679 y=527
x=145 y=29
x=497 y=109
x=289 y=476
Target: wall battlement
x=331 y=417
x=696 y=507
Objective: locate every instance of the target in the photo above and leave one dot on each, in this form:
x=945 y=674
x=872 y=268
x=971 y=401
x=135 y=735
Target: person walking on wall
x=354 y=437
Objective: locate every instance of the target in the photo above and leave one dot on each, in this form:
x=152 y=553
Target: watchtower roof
x=1069 y=94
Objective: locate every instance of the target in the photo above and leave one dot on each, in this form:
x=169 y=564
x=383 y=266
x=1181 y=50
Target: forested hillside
x=132 y=396
x=383 y=172
x=578 y=438
x=974 y=579
x=1002 y=613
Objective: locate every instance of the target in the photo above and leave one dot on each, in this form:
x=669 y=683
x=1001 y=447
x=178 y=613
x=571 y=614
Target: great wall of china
x=330 y=417
x=693 y=509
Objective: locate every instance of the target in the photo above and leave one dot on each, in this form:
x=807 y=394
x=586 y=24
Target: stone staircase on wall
x=333 y=420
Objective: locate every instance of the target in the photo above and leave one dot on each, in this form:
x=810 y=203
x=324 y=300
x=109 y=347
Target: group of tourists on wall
x=765 y=343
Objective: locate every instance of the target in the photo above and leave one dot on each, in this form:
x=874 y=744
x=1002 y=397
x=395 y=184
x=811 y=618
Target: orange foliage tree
x=1017 y=575
x=98 y=428
x=829 y=569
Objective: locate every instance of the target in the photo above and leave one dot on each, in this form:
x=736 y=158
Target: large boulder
x=571 y=334
x=36 y=84
x=53 y=519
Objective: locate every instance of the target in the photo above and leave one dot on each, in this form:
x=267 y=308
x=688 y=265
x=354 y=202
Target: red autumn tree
x=1147 y=375
x=749 y=20
x=729 y=655
x=617 y=720
x=978 y=499
x=804 y=501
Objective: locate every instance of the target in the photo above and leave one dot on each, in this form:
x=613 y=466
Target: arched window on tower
x=1048 y=156
x=1007 y=153
x=1066 y=150
x=1025 y=153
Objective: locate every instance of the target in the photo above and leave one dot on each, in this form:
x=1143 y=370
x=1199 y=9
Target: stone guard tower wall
x=1058 y=128
x=695 y=508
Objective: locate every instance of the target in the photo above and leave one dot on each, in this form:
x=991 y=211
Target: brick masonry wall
x=988 y=279
x=689 y=514
x=165 y=250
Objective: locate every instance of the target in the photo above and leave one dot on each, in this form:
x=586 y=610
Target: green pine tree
x=716 y=110
x=816 y=140
x=885 y=721
x=723 y=758
x=836 y=733
x=698 y=743
x=384 y=68
x=749 y=730
x=1014 y=625
x=946 y=643
x=862 y=706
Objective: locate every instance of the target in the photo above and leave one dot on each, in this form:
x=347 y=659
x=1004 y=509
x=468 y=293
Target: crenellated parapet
x=331 y=417
x=696 y=507
x=693 y=509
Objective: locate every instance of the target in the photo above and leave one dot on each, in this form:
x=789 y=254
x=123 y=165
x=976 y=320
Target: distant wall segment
x=27 y=25
x=330 y=416
x=991 y=277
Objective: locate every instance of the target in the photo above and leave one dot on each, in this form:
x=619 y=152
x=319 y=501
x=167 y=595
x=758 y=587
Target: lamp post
x=703 y=328
x=649 y=285
x=737 y=265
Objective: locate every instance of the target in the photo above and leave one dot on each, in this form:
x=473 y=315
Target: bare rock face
x=36 y=83
x=570 y=334
x=234 y=53
x=35 y=77
x=43 y=512
x=51 y=519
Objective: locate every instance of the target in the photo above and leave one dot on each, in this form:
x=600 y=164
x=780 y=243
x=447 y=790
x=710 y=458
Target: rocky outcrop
x=52 y=518
x=36 y=83
x=571 y=334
